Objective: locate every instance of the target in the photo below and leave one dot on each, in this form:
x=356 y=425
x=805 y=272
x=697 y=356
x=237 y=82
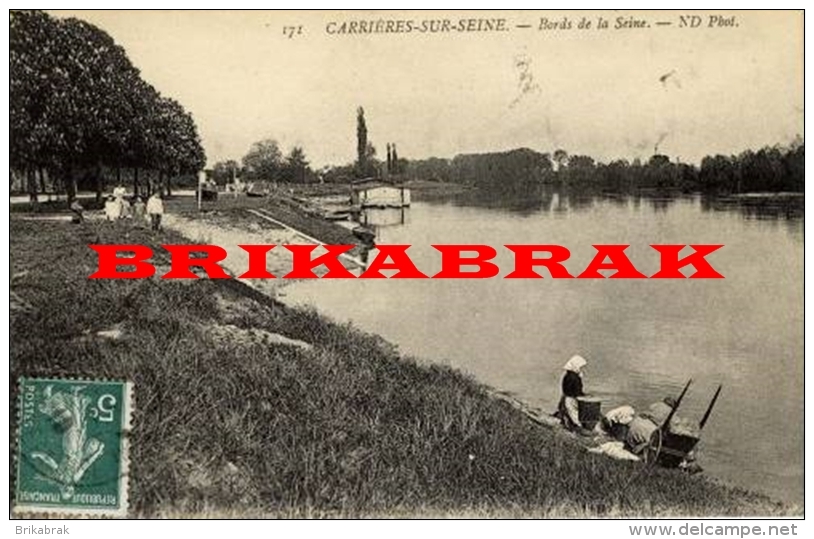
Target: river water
x=643 y=338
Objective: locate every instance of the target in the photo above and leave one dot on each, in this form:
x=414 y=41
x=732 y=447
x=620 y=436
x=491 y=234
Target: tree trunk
x=31 y=185
x=135 y=181
x=42 y=180
x=70 y=183
x=99 y=183
x=169 y=182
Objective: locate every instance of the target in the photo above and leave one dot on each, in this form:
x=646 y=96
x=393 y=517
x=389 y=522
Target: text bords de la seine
x=477 y=259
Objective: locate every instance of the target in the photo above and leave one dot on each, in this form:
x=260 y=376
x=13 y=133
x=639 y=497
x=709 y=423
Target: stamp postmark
x=72 y=447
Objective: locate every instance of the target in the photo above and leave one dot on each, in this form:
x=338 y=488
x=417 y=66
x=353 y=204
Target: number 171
x=291 y=31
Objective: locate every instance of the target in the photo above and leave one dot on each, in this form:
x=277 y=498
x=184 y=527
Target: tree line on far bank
x=79 y=110
x=771 y=169
x=516 y=172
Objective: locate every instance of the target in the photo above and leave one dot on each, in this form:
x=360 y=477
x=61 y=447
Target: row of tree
x=367 y=165
x=265 y=162
x=517 y=172
x=77 y=103
x=769 y=169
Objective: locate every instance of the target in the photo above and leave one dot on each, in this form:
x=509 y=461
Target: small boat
x=339 y=215
x=364 y=234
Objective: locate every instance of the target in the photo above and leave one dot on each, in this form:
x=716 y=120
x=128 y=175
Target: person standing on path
x=155 y=209
x=112 y=209
x=139 y=212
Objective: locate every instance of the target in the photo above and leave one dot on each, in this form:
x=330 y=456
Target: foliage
x=339 y=174
x=517 y=171
x=263 y=161
x=361 y=143
x=225 y=171
x=394 y=160
x=76 y=101
x=513 y=171
x=295 y=167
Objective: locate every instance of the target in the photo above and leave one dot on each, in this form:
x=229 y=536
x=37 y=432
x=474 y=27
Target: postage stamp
x=72 y=447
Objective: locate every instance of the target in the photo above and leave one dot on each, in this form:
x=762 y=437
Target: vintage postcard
x=407 y=264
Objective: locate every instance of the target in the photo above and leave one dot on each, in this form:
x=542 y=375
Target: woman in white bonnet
x=568 y=409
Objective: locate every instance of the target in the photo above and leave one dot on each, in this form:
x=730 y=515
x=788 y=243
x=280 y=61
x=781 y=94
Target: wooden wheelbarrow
x=671 y=449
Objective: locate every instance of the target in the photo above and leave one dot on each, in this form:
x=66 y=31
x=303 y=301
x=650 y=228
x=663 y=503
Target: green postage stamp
x=72 y=447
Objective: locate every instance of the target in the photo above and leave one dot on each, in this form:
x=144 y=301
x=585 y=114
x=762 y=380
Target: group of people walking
x=117 y=206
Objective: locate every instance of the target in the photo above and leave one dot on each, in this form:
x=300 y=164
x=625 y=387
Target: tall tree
x=263 y=160
x=395 y=159
x=225 y=171
x=295 y=168
x=174 y=146
x=361 y=142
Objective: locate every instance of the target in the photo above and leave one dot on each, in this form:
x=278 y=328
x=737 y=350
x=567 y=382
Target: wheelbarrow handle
x=709 y=408
x=666 y=423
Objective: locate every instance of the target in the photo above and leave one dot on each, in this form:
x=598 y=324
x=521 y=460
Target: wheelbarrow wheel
x=651 y=452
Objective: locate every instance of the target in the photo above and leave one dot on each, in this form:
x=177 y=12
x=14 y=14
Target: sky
x=614 y=93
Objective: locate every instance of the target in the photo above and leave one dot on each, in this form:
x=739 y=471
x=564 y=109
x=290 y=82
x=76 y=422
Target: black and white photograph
x=406 y=264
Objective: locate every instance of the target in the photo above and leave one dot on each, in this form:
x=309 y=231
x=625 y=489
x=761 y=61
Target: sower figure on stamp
x=68 y=412
x=72 y=447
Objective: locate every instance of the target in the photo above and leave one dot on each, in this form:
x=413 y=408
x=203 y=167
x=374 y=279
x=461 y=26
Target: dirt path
x=278 y=260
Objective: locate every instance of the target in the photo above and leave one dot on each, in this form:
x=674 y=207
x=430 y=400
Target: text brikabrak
x=395 y=257
x=42 y=530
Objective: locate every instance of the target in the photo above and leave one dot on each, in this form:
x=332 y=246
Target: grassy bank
x=231 y=420
x=230 y=211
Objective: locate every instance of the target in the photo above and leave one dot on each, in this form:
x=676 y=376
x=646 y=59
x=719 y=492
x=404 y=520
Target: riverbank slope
x=245 y=407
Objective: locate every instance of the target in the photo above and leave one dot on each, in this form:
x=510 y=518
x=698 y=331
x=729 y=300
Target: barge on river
x=376 y=193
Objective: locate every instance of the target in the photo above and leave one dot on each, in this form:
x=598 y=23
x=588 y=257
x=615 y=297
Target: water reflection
x=759 y=207
x=644 y=338
x=382 y=217
x=786 y=207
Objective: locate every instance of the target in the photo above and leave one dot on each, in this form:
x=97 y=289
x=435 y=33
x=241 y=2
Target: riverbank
x=246 y=407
